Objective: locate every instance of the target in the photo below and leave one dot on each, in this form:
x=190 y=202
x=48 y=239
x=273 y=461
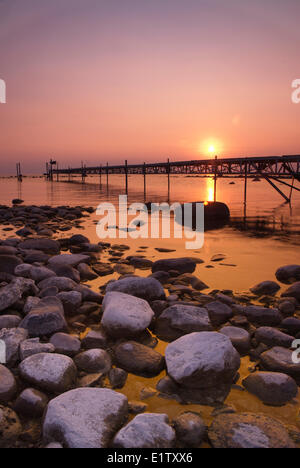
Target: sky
x=147 y=80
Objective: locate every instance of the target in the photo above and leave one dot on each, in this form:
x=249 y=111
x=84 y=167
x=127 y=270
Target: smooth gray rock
x=95 y=339
x=266 y=288
x=248 y=431
x=63 y=284
x=146 y=431
x=93 y=361
x=85 y=418
x=8 y=385
x=139 y=359
x=45 y=319
x=117 y=377
x=14 y=291
x=9 y=321
x=291 y=325
x=53 y=373
x=66 y=271
x=68 y=259
x=288 y=274
x=202 y=360
x=88 y=295
x=125 y=316
x=66 y=344
x=273 y=388
x=239 y=337
x=145 y=288
x=48 y=246
x=219 y=312
x=263 y=316
x=33 y=346
x=8 y=263
x=182 y=265
x=31 y=403
x=190 y=429
x=280 y=359
x=272 y=337
x=12 y=338
x=71 y=301
x=293 y=291
x=179 y=320
x=30 y=303
x=35 y=273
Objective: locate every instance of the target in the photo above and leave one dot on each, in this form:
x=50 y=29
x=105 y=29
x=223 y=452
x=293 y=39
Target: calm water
x=254 y=247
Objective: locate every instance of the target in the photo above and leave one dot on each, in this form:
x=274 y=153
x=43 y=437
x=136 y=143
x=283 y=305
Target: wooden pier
x=274 y=169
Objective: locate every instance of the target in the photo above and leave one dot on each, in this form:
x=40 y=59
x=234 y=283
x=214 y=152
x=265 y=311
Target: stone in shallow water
x=266 y=288
x=95 y=339
x=179 y=320
x=93 y=361
x=248 y=431
x=272 y=337
x=139 y=359
x=239 y=337
x=85 y=418
x=46 y=318
x=273 y=388
x=54 y=373
x=280 y=359
x=31 y=403
x=182 y=265
x=145 y=288
x=63 y=284
x=219 y=312
x=117 y=378
x=263 y=316
x=65 y=344
x=146 y=431
x=190 y=429
x=288 y=274
x=68 y=259
x=48 y=246
x=203 y=365
x=293 y=291
x=125 y=316
x=8 y=385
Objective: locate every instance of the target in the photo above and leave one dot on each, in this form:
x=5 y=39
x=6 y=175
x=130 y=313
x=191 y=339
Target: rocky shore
x=71 y=347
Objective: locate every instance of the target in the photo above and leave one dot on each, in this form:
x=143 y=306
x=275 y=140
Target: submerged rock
x=125 y=316
x=272 y=388
x=179 y=320
x=145 y=288
x=146 y=431
x=248 y=431
x=182 y=265
x=288 y=274
x=85 y=418
x=266 y=288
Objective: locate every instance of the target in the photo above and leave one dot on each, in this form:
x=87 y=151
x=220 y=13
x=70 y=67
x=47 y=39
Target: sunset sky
x=105 y=80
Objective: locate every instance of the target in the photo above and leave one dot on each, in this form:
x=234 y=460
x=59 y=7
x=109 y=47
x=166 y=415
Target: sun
x=212 y=149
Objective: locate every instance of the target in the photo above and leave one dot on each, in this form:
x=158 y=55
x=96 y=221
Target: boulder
x=86 y=273
x=139 y=359
x=288 y=274
x=95 y=339
x=146 y=431
x=117 y=377
x=272 y=337
x=53 y=373
x=125 y=316
x=204 y=365
x=46 y=318
x=93 y=361
x=68 y=259
x=47 y=246
x=179 y=320
x=61 y=283
x=31 y=403
x=182 y=265
x=8 y=263
x=248 y=431
x=145 y=288
x=12 y=338
x=9 y=321
x=280 y=359
x=14 y=291
x=66 y=271
x=37 y=274
x=291 y=325
x=272 y=388
x=239 y=337
x=65 y=344
x=263 y=316
x=219 y=312
x=8 y=385
x=266 y=288
x=33 y=346
x=190 y=429
x=85 y=418
x=293 y=291
x=71 y=301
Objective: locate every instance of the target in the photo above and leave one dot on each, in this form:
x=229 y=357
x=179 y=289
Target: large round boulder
x=273 y=388
x=145 y=288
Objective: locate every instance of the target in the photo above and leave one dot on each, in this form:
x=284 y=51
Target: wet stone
x=31 y=403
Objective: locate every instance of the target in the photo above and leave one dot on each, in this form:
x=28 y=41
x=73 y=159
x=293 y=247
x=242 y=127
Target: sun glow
x=211 y=147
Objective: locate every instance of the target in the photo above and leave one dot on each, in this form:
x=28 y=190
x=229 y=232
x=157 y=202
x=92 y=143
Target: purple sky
x=145 y=80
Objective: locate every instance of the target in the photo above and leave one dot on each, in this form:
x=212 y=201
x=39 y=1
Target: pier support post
x=245 y=188
x=100 y=175
x=57 y=174
x=145 y=186
x=126 y=176
x=216 y=178
x=169 y=182
x=107 y=176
